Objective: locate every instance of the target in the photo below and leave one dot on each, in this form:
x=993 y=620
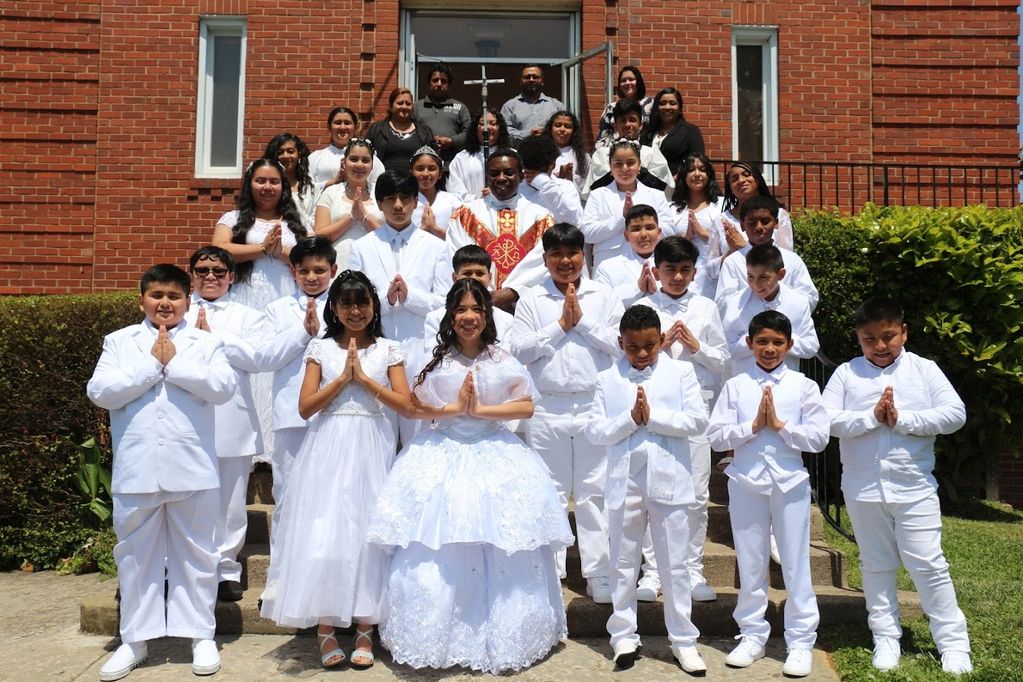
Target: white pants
x=286 y=445
x=699 y=451
x=668 y=525
x=172 y=532
x=753 y=514
x=888 y=531
x=233 y=520
x=579 y=469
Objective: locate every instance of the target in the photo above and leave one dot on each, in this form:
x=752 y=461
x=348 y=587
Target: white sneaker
x=886 y=653
x=956 y=662
x=690 y=660
x=744 y=654
x=127 y=657
x=798 y=663
x=599 y=589
x=626 y=652
x=648 y=588
x=205 y=657
x=775 y=554
x=701 y=591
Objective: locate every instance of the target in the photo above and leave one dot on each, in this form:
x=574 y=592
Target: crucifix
x=483 y=82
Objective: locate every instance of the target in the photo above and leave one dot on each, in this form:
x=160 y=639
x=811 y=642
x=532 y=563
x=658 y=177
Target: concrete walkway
x=40 y=640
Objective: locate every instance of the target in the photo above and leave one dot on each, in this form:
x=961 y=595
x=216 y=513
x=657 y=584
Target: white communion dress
x=475 y=521
x=323 y=570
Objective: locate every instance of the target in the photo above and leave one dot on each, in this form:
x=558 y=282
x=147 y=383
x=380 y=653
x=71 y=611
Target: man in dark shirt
x=448 y=118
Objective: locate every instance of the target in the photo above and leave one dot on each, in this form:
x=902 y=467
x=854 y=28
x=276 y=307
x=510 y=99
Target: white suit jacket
x=424 y=265
x=677 y=412
x=161 y=417
x=244 y=332
x=283 y=355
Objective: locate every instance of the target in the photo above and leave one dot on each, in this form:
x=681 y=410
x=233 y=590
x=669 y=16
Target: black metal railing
x=848 y=187
x=826 y=467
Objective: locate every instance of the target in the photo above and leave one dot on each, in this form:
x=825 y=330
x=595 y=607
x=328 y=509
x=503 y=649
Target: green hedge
x=959 y=274
x=48 y=349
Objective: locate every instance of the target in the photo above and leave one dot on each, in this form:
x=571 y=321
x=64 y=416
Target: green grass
x=983 y=543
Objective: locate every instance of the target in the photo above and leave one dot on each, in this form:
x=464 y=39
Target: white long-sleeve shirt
x=732 y=276
x=769 y=458
x=560 y=361
x=782 y=233
x=604 y=220
x=739 y=310
x=891 y=464
x=558 y=196
x=466 y=175
x=621 y=273
x=708 y=265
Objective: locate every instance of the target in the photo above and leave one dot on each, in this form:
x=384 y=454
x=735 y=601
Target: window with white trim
x=220 y=107
x=755 y=96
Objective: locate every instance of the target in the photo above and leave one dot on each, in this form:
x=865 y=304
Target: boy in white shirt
x=770 y=415
x=409 y=267
x=159 y=380
x=539 y=155
x=294 y=321
x=645 y=410
x=759 y=218
x=695 y=334
x=765 y=270
x=243 y=332
x=886 y=408
x=631 y=273
x=564 y=333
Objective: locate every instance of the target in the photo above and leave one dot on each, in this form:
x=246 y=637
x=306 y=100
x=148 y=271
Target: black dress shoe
x=229 y=590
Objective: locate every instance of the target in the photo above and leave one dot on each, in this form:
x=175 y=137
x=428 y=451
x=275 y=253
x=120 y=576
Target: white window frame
x=767 y=38
x=212 y=27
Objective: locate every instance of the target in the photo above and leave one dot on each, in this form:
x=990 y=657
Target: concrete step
x=260 y=485
x=98 y=613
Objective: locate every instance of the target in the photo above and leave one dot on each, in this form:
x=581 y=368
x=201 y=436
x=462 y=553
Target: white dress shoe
x=956 y=662
x=690 y=660
x=886 y=653
x=701 y=591
x=648 y=588
x=745 y=654
x=127 y=657
x=599 y=589
x=205 y=657
x=626 y=653
x=799 y=662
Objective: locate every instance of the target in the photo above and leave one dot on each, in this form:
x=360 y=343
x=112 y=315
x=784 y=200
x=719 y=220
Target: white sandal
x=322 y=639
x=362 y=654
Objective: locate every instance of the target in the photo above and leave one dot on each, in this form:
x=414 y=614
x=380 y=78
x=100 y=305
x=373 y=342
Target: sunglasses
x=202 y=271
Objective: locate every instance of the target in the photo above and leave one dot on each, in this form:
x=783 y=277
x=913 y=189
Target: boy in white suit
x=646 y=408
x=770 y=415
x=294 y=321
x=243 y=331
x=631 y=273
x=159 y=380
x=886 y=408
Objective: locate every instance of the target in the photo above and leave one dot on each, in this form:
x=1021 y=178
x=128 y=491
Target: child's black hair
x=396 y=182
x=563 y=235
x=626 y=106
x=773 y=320
x=760 y=202
x=640 y=211
x=211 y=253
x=470 y=254
x=318 y=246
x=165 y=273
x=731 y=201
x=675 y=249
x=767 y=256
x=351 y=286
x=538 y=153
x=446 y=336
x=504 y=152
x=639 y=317
x=472 y=143
x=680 y=196
x=273 y=150
x=622 y=143
x=582 y=157
x=879 y=309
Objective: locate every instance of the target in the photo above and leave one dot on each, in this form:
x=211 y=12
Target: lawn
x=983 y=542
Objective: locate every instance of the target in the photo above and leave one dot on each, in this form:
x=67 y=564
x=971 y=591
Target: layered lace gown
x=475 y=521
x=324 y=570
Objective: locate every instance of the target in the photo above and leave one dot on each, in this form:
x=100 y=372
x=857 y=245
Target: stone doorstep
x=98 y=614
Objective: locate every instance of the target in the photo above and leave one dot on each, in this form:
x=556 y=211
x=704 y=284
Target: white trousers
x=753 y=514
x=166 y=534
x=579 y=469
x=233 y=520
x=286 y=445
x=888 y=531
x=668 y=525
x=699 y=451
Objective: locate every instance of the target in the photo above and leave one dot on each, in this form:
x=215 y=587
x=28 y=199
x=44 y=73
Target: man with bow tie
x=448 y=118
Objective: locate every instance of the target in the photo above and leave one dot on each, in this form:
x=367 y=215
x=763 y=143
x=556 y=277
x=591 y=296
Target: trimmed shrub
x=48 y=349
x=959 y=274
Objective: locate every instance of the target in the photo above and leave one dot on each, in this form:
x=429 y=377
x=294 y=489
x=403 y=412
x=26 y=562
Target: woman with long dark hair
x=466 y=178
x=398 y=136
x=630 y=85
x=669 y=131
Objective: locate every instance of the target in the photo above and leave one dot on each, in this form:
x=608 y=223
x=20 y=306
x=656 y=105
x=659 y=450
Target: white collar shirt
x=732 y=276
x=621 y=273
x=740 y=309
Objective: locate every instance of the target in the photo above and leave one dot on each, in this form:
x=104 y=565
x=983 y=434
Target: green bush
x=959 y=274
x=48 y=349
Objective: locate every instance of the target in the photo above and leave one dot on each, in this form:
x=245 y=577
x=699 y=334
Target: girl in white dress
x=466 y=179
x=259 y=235
x=742 y=183
x=472 y=513
x=325 y=163
x=697 y=205
x=293 y=155
x=573 y=159
x=323 y=572
x=433 y=212
x=347 y=210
